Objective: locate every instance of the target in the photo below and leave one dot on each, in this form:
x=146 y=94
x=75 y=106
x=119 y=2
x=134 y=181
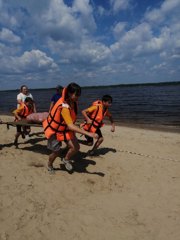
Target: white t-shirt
x=22 y=97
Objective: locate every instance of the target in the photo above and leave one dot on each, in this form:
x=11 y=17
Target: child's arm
x=19 y=101
x=85 y=114
x=86 y=111
x=112 y=123
x=16 y=114
x=34 y=107
x=75 y=128
x=68 y=120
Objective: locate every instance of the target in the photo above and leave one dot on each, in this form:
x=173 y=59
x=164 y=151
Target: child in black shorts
x=21 y=113
x=94 y=116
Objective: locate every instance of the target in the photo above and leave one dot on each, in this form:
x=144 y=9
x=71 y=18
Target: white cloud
x=82 y=6
x=86 y=14
x=88 y=53
x=36 y=59
x=8 y=36
x=144 y=39
x=59 y=23
x=29 y=62
x=118 y=5
x=119 y=28
x=160 y=66
x=101 y=11
x=167 y=7
x=86 y=38
x=175 y=56
x=6 y=18
x=8 y=50
x=33 y=6
x=132 y=41
x=64 y=23
x=93 y=52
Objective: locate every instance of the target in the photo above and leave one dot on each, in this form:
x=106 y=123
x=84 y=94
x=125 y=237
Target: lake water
x=146 y=105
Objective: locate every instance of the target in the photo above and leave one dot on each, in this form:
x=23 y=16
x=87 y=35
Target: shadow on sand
x=31 y=141
x=80 y=165
x=37 y=148
x=81 y=162
x=36 y=134
x=103 y=151
x=6 y=145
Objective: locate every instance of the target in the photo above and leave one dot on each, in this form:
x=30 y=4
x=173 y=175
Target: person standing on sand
x=94 y=116
x=24 y=93
x=60 y=126
x=56 y=96
x=25 y=109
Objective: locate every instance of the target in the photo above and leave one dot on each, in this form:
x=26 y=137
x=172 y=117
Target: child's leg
x=98 y=142
x=73 y=148
x=16 y=138
x=54 y=145
x=26 y=131
x=18 y=133
x=88 y=141
x=52 y=157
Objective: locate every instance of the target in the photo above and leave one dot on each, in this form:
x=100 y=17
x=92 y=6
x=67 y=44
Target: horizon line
x=112 y=85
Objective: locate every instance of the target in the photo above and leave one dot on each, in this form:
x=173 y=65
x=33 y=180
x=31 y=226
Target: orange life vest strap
x=94 y=120
x=59 y=124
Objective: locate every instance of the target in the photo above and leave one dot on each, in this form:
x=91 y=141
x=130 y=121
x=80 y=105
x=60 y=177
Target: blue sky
x=91 y=42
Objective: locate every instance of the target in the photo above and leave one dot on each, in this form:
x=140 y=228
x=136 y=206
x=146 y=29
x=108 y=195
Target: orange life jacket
x=26 y=111
x=96 y=116
x=55 y=124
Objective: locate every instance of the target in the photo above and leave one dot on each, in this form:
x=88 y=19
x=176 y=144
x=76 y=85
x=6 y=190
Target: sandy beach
x=129 y=191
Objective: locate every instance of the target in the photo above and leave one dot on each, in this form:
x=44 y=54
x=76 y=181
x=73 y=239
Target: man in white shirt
x=24 y=93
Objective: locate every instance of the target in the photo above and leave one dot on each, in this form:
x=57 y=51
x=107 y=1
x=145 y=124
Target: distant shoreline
x=162 y=128
x=108 y=86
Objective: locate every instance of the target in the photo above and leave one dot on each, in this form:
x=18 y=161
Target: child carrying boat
x=60 y=127
x=94 y=116
x=25 y=109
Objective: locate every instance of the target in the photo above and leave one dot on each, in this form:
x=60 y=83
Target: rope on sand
x=148 y=156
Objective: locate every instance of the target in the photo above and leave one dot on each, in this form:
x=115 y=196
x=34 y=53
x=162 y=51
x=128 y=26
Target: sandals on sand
x=67 y=164
x=51 y=170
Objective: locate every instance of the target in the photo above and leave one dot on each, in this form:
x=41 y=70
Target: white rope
x=148 y=156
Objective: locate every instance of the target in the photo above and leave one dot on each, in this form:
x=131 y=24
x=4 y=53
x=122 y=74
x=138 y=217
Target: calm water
x=147 y=105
